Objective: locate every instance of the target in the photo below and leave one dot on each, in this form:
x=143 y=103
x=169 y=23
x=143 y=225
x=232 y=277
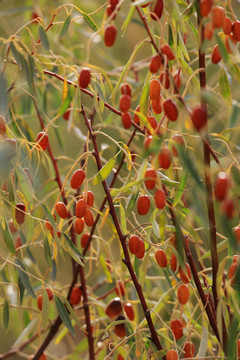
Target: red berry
x=114 y=308
x=136 y=117
x=154 y=89
x=124 y=103
x=237 y=233
x=143 y=204
x=148 y=141
x=50 y=294
x=42 y=140
x=199 y=116
x=185 y=277
x=75 y=296
x=126 y=89
x=218 y=15
x=170 y=109
x=177 y=80
x=79 y=226
x=126 y=120
x=2 y=125
x=43 y=357
x=177 y=138
x=133 y=244
x=161 y=258
x=88 y=217
x=156 y=9
x=166 y=50
x=216 y=56
x=20 y=213
x=39 y=302
x=153 y=123
x=145 y=5
x=113 y=2
x=189 y=350
x=110 y=10
x=77 y=178
x=84 y=240
x=173 y=262
x=227 y=26
x=120 y=329
x=84 y=78
x=90 y=198
x=238 y=347
x=236 y=30
x=152 y=178
x=155 y=64
x=157 y=105
x=61 y=209
x=120 y=288
x=164 y=79
x=164 y=158
x=227 y=206
x=232 y=273
x=11 y=226
x=18 y=242
x=222 y=184
x=66 y=115
x=172 y=355
x=183 y=294
x=208 y=31
x=128 y=308
x=110 y=35
x=141 y=250
x=205 y=7
x=160 y=199
x=120 y=357
x=177 y=328
x=80 y=209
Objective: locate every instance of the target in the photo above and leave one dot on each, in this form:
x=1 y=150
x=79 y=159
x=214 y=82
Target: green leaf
x=128 y=18
x=180 y=189
x=105 y=269
x=104 y=172
x=43 y=37
x=203 y=344
x=74 y=250
x=222 y=48
x=90 y=21
x=62 y=311
x=7 y=237
x=24 y=278
x=65 y=26
x=223 y=245
x=144 y=101
x=24 y=183
x=224 y=86
x=6 y=314
x=123 y=220
x=21 y=290
x=47 y=251
x=49 y=216
x=27 y=331
x=45 y=308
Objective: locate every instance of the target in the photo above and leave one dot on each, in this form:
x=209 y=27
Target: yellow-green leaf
x=104 y=172
x=224 y=86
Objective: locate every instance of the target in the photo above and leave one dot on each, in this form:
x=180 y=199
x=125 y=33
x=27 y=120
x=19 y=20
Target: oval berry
x=164 y=79
x=183 y=294
x=61 y=209
x=66 y=115
x=199 y=116
x=172 y=355
x=42 y=140
x=143 y=204
x=177 y=328
x=84 y=240
x=11 y=226
x=218 y=15
x=205 y=7
x=164 y=158
x=90 y=198
x=161 y=258
x=120 y=329
x=227 y=207
x=120 y=288
x=80 y=208
x=84 y=78
x=50 y=294
x=221 y=186
x=160 y=199
x=156 y=9
x=110 y=9
x=173 y=262
x=170 y=109
x=20 y=213
x=155 y=64
x=236 y=30
x=114 y=308
x=147 y=142
x=128 y=308
x=227 y=26
x=141 y=250
x=136 y=117
x=189 y=350
x=126 y=120
x=79 y=226
x=18 y=242
x=208 y=31
x=216 y=56
x=151 y=176
x=154 y=89
x=236 y=232
x=166 y=50
x=2 y=125
x=133 y=244
x=126 y=89
x=110 y=34
x=39 y=302
x=157 y=105
x=77 y=178
x=76 y=295
x=153 y=123
x=124 y=103
x=185 y=275
x=88 y=217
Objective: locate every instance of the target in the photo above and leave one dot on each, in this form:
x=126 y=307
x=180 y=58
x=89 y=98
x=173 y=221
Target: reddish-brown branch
x=122 y=239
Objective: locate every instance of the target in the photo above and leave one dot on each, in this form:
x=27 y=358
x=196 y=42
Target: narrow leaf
x=128 y=19
x=43 y=37
x=45 y=308
x=224 y=86
x=65 y=26
x=6 y=314
x=144 y=101
x=62 y=311
x=203 y=344
x=123 y=220
x=7 y=237
x=180 y=189
x=90 y=21
x=24 y=278
x=74 y=249
x=27 y=331
x=104 y=172
x=47 y=251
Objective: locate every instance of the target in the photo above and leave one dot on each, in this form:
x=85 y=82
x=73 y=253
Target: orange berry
x=66 y=115
x=120 y=357
x=20 y=213
x=177 y=328
x=81 y=207
x=114 y=308
x=110 y=34
x=185 y=276
x=79 y=226
x=157 y=105
x=76 y=295
x=172 y=355
x=18 y=242
x=227 y=26
x=120 y=329
x=222 y=184
x=208 y=31
x=90 y=198
x=164 y=158
x=141 y=250
x=237 y=233
x=61 y=209
x=48 y=224
x=2 y=125
x=84 y=240
x=156 y=9
x=153 y=123
x=154 y=89
x=12 y=228
x=199 y=116
x=136 y=117
x=43 y=357
x=166 y=50
x=161 y=258
x=160 y=199
x=170 y=109
x=124 y=103
x=39 y=302
x=216 y=56
x=227 y=207
x=218 y=15
x=77 y=178
x=205 y=7
x=189 y=350
x=126 y=89
x=236 y=30
x=42 y=140
x=151 y=182
x=50 y=294
x=84 y=78
x=143 y=204
x=126 y=120
x=155 y=64
x=88 y=217
x=177 y=80
x=164 y=79
x=128 y=308
x=133 y=244
x=173 y=262
x=183 y=294
x=238 y=347
x=120 y=288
